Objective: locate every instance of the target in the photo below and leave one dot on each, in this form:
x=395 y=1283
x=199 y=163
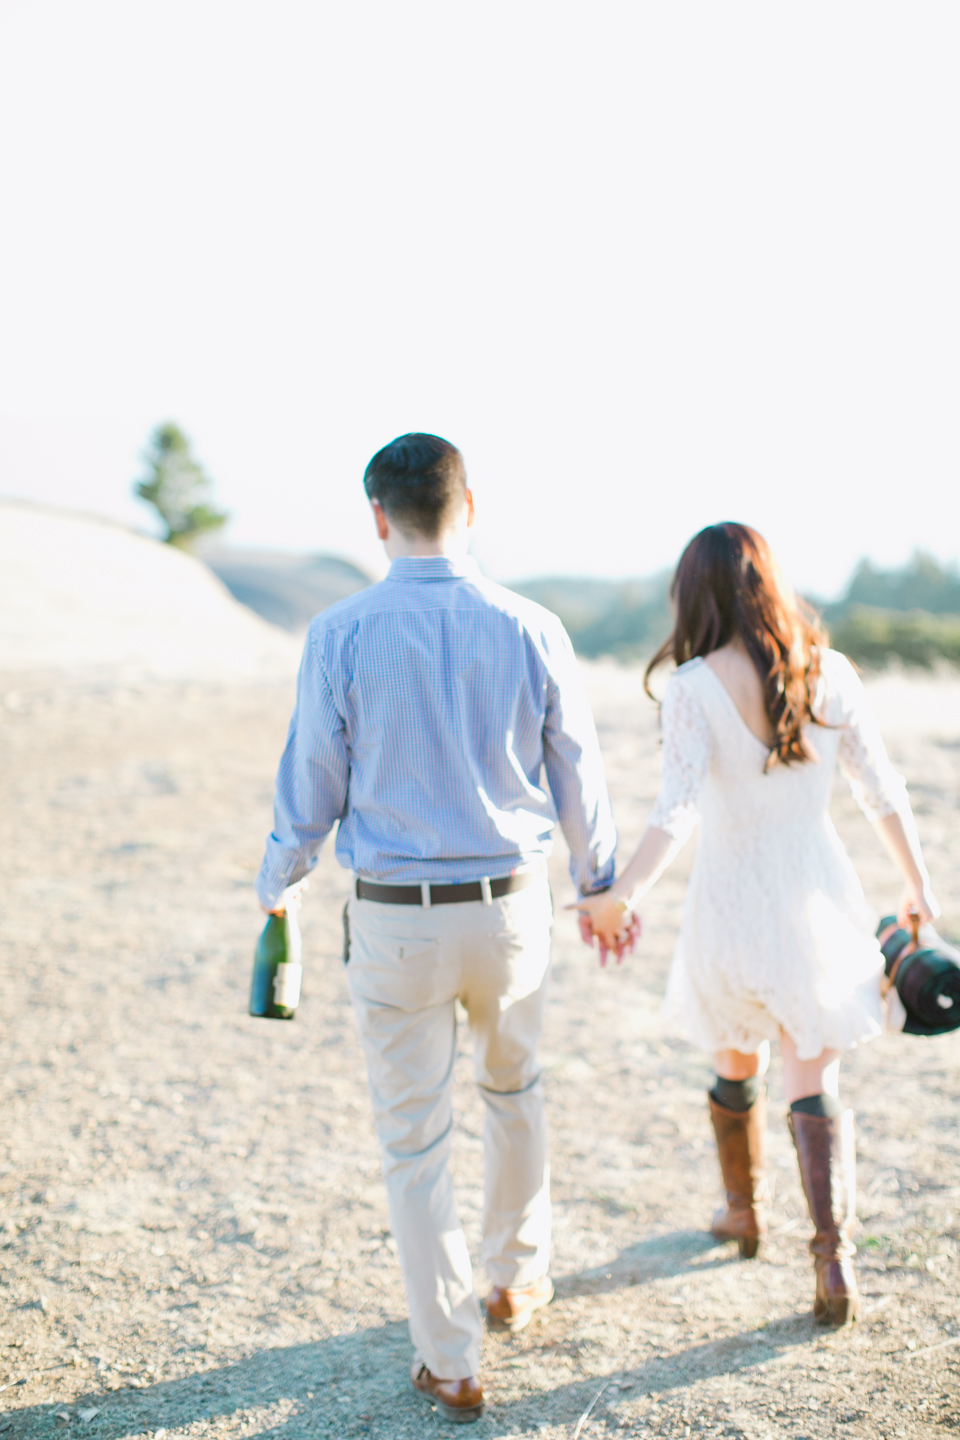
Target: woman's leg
x=735 y=1065
x=739 y=1117
x=822 y=1132
x=806 y=1079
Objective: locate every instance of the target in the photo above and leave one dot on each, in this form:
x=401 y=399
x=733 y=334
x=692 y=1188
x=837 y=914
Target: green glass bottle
x=277 y=971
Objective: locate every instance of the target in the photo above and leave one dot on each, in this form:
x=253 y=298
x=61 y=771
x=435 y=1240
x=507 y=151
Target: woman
x=777 y=939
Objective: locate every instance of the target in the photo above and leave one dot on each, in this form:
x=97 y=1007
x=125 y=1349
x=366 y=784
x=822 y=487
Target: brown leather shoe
x=460 y=1401
x=741 y=1143
x=511 y=1307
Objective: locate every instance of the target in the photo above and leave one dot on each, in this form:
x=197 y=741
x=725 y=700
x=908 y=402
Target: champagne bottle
x=277 y=971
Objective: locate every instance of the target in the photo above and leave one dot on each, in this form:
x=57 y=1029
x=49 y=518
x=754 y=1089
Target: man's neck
x=452 y=546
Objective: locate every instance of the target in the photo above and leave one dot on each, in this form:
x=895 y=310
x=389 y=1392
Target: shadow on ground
x=356 y=1385
x=360 y=1388
x=655 y=1259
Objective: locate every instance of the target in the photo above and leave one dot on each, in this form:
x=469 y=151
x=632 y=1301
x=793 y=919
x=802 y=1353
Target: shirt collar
x=433 y=567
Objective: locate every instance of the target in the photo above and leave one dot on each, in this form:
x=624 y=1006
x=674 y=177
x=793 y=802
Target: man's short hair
x=418 y=480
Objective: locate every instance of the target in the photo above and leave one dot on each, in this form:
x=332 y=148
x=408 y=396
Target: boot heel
x=748 y=1245
x=840 y=1311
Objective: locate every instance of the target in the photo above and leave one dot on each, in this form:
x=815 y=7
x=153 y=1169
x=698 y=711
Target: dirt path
x=194 y=1236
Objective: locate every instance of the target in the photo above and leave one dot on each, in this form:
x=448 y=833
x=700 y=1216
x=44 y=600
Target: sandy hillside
x=79 y=593
x=194 y=1235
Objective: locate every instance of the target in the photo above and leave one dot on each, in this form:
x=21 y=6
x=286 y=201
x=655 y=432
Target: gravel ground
x=194 y=1233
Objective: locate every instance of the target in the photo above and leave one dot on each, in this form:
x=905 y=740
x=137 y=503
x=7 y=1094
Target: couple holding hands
x=442 y=725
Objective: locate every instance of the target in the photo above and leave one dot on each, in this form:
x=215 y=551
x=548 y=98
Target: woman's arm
x=880 y=791
x=685 y=762
x=610 y=913
x=898 y=831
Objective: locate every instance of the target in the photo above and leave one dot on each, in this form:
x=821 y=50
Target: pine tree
x=176 y=486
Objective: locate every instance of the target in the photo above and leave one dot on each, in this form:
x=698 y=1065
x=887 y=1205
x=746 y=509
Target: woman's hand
x=606 y=918
x=917 y=899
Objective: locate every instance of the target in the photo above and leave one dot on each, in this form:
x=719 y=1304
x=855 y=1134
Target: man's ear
x=380 y=520
x=471 y=511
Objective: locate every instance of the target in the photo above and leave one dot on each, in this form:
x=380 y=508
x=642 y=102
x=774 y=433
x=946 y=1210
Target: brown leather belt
x=427 y=895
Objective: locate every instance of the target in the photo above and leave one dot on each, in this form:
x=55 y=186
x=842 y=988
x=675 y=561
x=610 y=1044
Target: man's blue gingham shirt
x=428 y=708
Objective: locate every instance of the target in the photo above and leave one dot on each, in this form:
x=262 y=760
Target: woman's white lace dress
x=776 y=929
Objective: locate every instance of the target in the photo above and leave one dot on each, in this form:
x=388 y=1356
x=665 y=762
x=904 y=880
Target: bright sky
x=649 y=265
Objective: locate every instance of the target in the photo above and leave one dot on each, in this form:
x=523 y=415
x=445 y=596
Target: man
x=428 y=708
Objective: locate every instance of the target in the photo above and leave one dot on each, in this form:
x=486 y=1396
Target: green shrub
x=874 y=637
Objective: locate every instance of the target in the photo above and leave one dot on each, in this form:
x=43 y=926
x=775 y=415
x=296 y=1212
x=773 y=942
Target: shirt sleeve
x=575 y=772
x=862 y=758
x=687 y=750
x=312 y=781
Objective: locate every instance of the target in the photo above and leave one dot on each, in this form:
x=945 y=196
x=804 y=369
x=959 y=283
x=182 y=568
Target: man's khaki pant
x=407 y=966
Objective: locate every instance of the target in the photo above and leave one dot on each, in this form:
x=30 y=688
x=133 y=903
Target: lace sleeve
x=685 y=761
x=877 y=787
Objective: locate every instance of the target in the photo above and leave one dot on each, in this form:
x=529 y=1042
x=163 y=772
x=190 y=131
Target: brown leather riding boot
x=741 y=1137
x=827 y=1156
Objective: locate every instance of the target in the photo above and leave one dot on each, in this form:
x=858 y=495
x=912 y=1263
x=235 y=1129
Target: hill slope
x=287 y=590
x=78 y=593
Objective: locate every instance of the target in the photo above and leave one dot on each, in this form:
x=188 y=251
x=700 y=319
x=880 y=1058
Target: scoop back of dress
x=776 y=930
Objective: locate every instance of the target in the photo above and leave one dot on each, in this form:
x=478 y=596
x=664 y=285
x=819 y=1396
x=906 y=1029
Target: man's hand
x=291 y=896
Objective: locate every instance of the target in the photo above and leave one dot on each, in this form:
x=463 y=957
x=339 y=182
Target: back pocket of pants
x=405 y=973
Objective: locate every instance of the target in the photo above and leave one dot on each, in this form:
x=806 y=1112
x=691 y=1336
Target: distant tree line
x=922 y=584
x=911 y=614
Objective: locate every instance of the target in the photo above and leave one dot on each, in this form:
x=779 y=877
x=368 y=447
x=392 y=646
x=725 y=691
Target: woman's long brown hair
x=728 y=584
